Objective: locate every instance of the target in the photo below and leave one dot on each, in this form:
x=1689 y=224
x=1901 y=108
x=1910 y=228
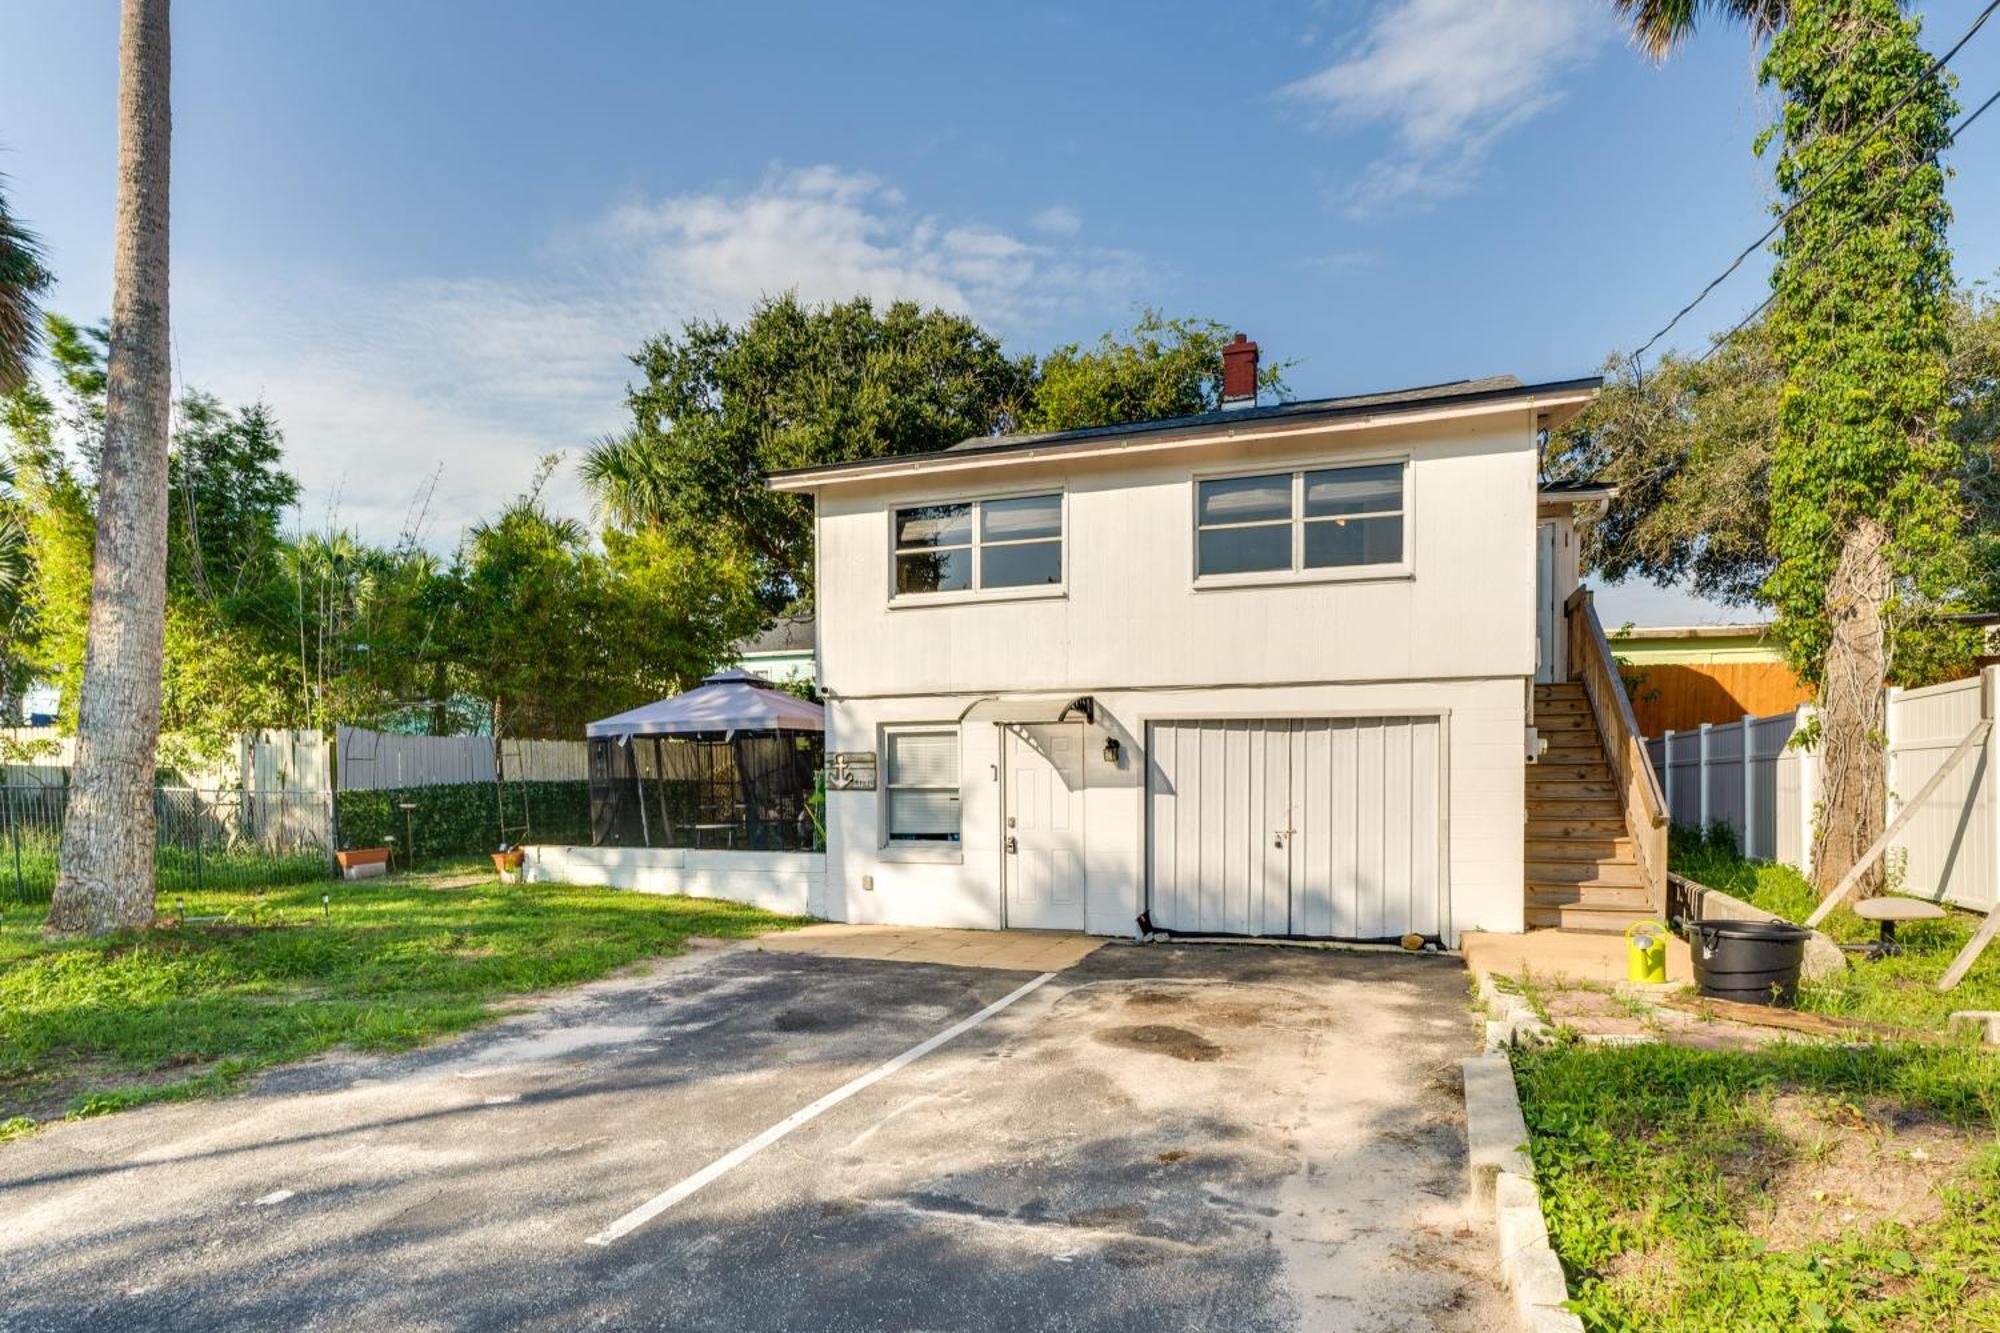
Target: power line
x=1825 y=176
x=1765 y=304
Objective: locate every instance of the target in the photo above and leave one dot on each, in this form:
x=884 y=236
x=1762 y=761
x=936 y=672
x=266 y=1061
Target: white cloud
x=1447 y=78
x=378 y=384
x=1057 y=220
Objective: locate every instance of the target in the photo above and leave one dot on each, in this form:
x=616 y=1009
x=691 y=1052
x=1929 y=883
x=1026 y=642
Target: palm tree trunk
x=1852 y=725
x=107 y=853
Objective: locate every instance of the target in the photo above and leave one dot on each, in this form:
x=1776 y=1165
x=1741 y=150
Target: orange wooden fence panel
x=1683 y=695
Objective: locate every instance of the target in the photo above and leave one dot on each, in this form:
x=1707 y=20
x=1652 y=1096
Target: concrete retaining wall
x=792 y=882
x=1823 y=956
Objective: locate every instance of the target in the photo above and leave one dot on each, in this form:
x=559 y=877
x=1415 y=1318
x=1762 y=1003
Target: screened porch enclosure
x=731 y=765
x=749 y=793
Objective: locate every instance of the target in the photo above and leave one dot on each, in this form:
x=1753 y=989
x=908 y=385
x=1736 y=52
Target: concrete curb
x=1511 y=1020
x=1503 y=1178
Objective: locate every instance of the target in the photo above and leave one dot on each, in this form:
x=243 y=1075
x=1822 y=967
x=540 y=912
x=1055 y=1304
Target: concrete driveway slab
x=1014 y=950
x=1158 y=1137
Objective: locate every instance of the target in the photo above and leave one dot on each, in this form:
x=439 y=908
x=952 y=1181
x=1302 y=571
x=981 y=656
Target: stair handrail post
x=1667 y=766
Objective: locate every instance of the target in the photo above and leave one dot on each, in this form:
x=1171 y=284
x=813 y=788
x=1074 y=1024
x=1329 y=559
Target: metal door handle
x=1012 y=845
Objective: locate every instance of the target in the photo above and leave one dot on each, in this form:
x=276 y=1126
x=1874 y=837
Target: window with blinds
x=921 y=786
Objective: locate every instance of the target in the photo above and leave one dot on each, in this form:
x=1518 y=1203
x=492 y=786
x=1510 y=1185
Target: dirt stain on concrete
x=1162 y=1039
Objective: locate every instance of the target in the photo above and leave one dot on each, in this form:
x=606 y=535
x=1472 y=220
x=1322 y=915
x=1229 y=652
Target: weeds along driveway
x=1156 y=1138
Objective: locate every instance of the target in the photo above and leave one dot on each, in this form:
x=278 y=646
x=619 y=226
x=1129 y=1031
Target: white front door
x=1042 y=837
x=1548 y=645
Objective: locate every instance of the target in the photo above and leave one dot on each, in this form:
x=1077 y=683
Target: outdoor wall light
x=1111 y=750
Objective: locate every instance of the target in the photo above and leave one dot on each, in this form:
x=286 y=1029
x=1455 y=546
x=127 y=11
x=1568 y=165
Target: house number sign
x=850 y=770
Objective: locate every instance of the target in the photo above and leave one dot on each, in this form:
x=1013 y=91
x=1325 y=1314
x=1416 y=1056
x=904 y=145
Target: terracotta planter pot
x=363 y=862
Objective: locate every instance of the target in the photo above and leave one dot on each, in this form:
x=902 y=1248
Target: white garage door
x=1328 y=827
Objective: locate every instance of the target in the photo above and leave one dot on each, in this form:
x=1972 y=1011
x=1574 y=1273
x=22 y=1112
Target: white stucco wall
x=792 y=882
x=943 y=886
x=1453 y=634
x=1131 y=615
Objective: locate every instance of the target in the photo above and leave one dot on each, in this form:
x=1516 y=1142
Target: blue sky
x=429 y=233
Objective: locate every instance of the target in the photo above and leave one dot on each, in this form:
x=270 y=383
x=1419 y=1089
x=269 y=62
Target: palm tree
x=22 y=278
x=106 y=880
x=621 y=473
x=1658 y=26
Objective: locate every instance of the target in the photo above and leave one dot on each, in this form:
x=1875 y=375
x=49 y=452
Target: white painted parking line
x=729 y=1161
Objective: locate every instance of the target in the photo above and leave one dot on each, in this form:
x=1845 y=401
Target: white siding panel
x=1321 y=827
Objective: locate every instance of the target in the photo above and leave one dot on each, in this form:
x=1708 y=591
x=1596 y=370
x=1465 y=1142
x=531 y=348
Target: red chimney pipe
x=1239 y=372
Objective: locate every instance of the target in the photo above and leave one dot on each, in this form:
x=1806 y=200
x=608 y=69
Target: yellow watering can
x=1646 y=952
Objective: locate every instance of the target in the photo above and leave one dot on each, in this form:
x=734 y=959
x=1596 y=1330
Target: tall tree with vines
x=1864 y=503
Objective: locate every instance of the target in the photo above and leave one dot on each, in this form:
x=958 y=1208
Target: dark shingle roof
x=1301 y=407
x=1454 y=391
x=790 y=634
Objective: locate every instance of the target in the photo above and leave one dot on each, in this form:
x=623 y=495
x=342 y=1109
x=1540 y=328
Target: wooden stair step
x=1562 y=707
x=1587 y=885
x=1594 y=900
x=1571 y=741
x=1589 y=920
x=1597 y=849
x=1573 y=789
x=1579 y=829
x=1569 y=772
x=1551 y=722
x=1548 y=812
x=1605 y=874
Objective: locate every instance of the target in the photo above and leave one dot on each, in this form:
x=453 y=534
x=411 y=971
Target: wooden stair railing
x=1591 y=664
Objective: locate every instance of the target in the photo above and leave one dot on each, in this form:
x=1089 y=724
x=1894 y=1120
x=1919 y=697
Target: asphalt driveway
x=1202 y=1137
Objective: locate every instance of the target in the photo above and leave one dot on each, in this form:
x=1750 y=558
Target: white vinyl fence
x=1747 y=775
x=379 y=760
x=271 y=762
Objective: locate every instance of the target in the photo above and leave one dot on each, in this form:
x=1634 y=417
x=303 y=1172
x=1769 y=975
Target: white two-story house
x=1264 y=671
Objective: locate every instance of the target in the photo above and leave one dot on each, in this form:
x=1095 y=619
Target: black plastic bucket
x=1755 y=962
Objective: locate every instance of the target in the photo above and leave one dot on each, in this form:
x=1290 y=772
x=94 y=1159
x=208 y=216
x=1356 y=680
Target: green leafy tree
x=1688 y=445
x=1864 y=542
x=793 y=386
x=555 y=633
x=1160 y=368
x=1863 y=519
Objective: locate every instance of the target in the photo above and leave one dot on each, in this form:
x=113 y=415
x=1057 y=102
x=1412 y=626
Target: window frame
x=951 y=849
x=976 y=500
x=1298 y=571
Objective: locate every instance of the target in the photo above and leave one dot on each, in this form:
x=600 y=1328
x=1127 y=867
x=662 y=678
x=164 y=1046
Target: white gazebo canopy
x=732 y=701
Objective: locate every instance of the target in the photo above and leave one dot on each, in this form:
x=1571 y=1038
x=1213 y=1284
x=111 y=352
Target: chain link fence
x=205 y=839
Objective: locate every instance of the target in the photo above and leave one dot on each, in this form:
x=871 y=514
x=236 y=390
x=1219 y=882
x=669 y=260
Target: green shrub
x=466 y=818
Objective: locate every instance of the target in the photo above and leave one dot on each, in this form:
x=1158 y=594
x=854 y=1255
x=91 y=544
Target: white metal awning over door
x=1315 y=827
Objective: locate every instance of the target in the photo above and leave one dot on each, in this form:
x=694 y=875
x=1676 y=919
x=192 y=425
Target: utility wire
x=1825 y=176
x=1765 y=304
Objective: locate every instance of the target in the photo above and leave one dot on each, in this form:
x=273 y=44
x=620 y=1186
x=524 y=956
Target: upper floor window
x=1325 y=518
x=977 y=545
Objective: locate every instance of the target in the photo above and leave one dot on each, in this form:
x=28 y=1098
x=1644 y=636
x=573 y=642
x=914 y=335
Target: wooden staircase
x=1582 y=870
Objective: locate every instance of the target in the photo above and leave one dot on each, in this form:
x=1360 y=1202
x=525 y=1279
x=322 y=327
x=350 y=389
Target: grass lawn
x=1799 y=1186
x=188 y=1011
x=1901 y=990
